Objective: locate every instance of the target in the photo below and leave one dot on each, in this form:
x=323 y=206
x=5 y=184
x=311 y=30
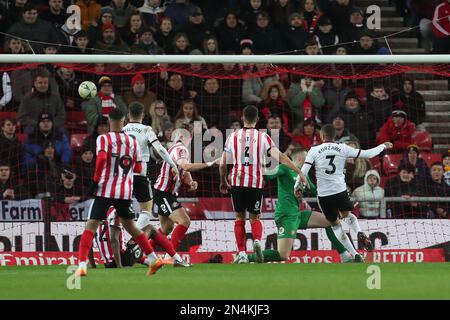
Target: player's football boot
x=81 y=272
x=359 y=258
x=365 y=241
x=346 y=257
x=181 y=264
x=258 y=251
x=155 y=266
x=241 y=258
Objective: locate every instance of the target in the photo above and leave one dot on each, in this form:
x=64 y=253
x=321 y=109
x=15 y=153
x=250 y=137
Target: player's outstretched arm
x=191 y=167
x=370 y=153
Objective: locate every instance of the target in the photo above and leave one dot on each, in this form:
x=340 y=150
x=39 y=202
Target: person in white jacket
x=371 y=190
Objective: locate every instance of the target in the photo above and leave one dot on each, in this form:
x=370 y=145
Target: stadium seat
x=431 y=158
x=362 y=95
x=76 y=121
x=391 y=162
x=76 y=141
x=376 y=164
x=423 y=140
x=21 y=137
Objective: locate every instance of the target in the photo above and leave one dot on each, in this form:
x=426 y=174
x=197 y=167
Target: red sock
x=142 y=259
x=256 y=229
x=85 y=245
x=239 y=233
x=143 y=243
x=152 y=242
x=178 y=235
x=161 y=240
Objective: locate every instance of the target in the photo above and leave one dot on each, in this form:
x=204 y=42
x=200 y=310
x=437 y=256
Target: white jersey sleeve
x=358 y=153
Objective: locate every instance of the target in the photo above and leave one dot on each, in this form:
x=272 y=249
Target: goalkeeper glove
x=299 y=187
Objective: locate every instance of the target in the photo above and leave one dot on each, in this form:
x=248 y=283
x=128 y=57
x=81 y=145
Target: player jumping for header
x=249 y=150
x=329 y=159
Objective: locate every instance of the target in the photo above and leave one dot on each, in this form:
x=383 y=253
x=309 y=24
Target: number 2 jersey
x=249 y=149
x=122 y=155
x=329 y=160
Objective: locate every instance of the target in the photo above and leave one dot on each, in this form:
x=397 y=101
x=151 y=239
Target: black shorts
x=247 y=199
x=331 y=205
x=100 y=206
x=142 y=189
x=164 y=203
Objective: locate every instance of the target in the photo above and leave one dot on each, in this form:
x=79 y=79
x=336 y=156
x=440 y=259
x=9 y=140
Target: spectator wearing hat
x=295 y=36
x=379 y=103
x=358 y=120
x=11 y=150
x=274 y=102
x=95 y=32
x=357 y=25
x=105 y=101
x=46 y=131
x=110 y=43
x=165 y=33
x=266 y=39
x=39 y=100
x=230 y=31
x=197 y=29
x=305 y=99
x=370 y=196
x=122 y=11
x=147 y=43
x=368 y=45
x=69 y=191
x=436 y=186
x=179 y=11
x=9 y=185
x=247 y=49
x=343 y=135
x=130 y=33
x=139 y=93
x=85 y=166
x=34 y=29
x=334 y=98
x=152 y=13
x=308 y=136
x=89 y=12
x=325 y=36
x=398 y=130
x=411 y=101
x=411 y=156
x=310 y=16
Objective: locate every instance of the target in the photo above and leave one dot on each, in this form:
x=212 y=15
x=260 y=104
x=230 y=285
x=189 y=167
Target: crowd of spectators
x=292 y=106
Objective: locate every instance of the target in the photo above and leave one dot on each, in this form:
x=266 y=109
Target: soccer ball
x=87 y=90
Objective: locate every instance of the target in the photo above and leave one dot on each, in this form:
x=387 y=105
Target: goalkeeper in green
x=289 y=218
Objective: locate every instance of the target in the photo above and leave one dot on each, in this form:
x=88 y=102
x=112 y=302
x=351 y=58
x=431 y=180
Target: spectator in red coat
x=309 y=137
x=398 y=130
x=441 y=28
x=274 y=103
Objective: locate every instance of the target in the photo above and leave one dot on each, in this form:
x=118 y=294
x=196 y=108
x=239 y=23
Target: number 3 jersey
x=122 y=155
x=249 y=149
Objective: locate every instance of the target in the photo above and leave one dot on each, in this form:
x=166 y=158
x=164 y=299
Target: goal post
x=406 y=211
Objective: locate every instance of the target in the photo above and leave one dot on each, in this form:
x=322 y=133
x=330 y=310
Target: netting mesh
x=358 y=100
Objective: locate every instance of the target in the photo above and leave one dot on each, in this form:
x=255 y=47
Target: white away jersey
x=249 y=149
x=329 y=159
x=144 y=136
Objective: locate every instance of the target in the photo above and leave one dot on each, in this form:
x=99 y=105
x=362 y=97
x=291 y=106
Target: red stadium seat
x=76 y=141
x=8 y=115
x=423 y=140
x=376 y=164
x=362 y=95
x=76 y=122
x=431 y=158
x=21 y=137
x=391 y=162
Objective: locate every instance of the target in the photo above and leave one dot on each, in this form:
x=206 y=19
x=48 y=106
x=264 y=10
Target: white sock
x=82 y=265
x=177 y=257
x=167 y=256
x=242 y=253
x=346 y=256
x=352 y=222
x=342 y=237
x=151 y=258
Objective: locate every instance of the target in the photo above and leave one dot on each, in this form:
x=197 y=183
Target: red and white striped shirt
x=165 y=180
x=122 y=155
x=249 y=149
x=103 y=236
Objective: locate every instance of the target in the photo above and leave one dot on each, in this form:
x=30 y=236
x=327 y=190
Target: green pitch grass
x=217 y=281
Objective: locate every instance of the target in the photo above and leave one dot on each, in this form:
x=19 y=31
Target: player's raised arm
x=370 y=153
x=191 y=167
x=284 y=159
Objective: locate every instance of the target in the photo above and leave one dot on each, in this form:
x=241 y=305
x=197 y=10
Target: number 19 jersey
x=329 y=160
x=122 y=155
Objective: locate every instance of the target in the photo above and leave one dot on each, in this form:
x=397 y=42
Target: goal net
x=401 y=197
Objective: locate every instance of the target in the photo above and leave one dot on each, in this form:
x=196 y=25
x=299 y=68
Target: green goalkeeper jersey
x=287 y=202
